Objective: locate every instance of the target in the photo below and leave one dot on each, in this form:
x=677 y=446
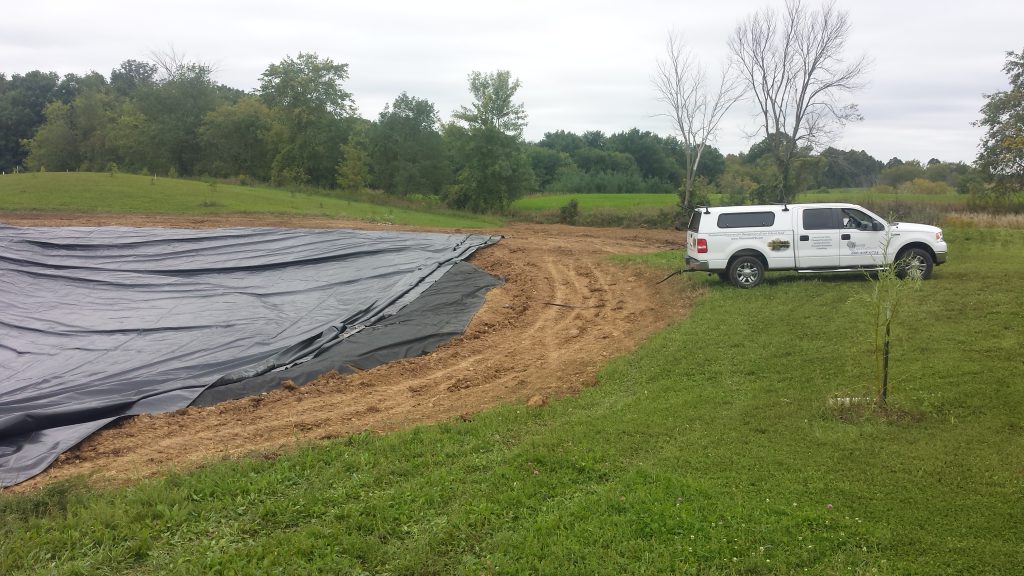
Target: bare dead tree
x=695 y=108
x=168 y=62
x=172 y=64
x=794 y=65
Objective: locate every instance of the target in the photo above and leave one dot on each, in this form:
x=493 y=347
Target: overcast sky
x=583 y=65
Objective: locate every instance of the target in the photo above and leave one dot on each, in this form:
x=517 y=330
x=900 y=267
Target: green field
x=656 y=201
x=869 y=196
x=596 y=201
x=126 y=193
x=711 y=449
x=659 y=210
x=625 y=210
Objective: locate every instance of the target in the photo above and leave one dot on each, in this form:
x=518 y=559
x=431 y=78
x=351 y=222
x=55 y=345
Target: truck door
x=817 y=242
x=861 y=239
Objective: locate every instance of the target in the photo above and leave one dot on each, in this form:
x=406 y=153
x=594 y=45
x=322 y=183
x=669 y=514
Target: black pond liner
x=101 y=323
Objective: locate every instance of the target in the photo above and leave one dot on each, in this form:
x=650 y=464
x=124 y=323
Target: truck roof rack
x=706 y=208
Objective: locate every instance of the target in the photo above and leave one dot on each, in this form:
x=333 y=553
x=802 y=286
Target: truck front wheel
x=914 y=263
x=746 y=272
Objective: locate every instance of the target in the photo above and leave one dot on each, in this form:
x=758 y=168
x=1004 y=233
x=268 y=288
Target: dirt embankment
x=563 y=311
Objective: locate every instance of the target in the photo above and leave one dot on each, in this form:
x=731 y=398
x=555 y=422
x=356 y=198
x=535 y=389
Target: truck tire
x=746 y=271
x=914 y=263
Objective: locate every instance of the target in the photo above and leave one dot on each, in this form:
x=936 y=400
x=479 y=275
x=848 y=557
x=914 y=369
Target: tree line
x=168 y=116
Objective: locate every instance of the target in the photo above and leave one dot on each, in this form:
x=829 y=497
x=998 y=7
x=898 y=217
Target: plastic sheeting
x=101 y=323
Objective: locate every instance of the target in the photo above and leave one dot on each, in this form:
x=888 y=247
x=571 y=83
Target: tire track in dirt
x=562 y=313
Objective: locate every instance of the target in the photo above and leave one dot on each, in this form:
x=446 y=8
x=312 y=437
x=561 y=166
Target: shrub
x=736 y=188
x=569 y=213
x=996 y=201
x=924 y=186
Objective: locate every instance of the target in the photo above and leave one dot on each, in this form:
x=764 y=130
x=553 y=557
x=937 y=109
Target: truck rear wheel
x=746 y=272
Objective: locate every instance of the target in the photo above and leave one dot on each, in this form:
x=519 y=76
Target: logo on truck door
x=778 y=245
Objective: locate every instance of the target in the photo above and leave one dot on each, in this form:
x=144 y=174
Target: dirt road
x=563 y=311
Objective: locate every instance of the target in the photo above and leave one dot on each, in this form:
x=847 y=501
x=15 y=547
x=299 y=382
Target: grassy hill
x=712 y=449
x=127 y=193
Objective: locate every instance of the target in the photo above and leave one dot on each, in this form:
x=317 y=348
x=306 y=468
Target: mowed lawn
x=127 y=193
x=712 y=449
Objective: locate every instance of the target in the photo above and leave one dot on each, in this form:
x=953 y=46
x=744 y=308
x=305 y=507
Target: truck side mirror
x=877 y=226
x=866 y=226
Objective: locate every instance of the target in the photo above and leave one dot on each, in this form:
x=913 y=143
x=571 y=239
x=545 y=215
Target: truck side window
x=853 y=219
x=820 y=219
x=746 y=220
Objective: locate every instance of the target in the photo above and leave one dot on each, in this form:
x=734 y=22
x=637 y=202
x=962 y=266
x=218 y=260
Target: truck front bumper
x=694 y=264
x=940 y=257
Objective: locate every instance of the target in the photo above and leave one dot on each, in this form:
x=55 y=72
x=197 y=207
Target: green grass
x=710 y=450
x=646 y=201
x=869 y=196
x=659 y=210
x=626 y=210
x=594 y=201
x=127 y=193
x=658 y=201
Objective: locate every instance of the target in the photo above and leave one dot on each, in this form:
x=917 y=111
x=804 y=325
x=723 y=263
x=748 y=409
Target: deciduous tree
x=238 y=139
x=795 y=67
x=547 y=163
x=22 y=101
x=353 y=172
x=307 y=86
x=55 y=145
x=562 y=141
x=131 y=76
x=1001 y=158
x=307 y=93
x=488 y=141
x=695 y=107
x=849 y=169
x=407 y=154
x=174 y=109
x=652 y=153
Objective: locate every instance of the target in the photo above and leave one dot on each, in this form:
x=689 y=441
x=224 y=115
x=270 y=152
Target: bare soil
x=562 y=313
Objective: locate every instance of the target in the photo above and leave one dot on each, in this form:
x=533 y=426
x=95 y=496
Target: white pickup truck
x=741 y=243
